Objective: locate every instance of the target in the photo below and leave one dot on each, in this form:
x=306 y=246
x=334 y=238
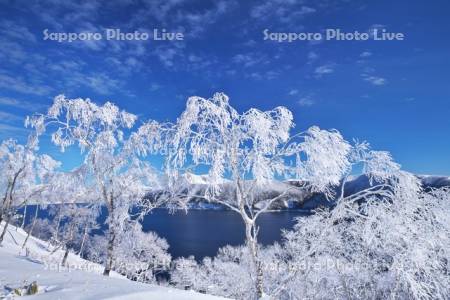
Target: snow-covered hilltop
x=80 y=279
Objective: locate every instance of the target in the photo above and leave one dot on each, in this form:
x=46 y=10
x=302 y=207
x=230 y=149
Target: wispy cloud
x=293 y=92
x=248 y=59
x=102 y=83
x=20 y=85
x=154 y=87
x=375 y=80
x=22 y=104
x=365 y=54
x=12 y=131
x=268 y=75
x=325 y=69
x=306 y=101
x=16 y=31
x=312 y=57
x=284 y=11
x=167 y=55
x=197 y=22
x=9 y=117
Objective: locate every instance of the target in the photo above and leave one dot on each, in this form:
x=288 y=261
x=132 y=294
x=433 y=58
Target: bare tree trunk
x=4 y=213
x=32 y=227
x=4 y=203
x=6 y=216
x=251 y=236
x=110 y=252
x=24 y=216
x=7 y=203
x=58 y=224
x=83 y=240
x=252 y=245
x=64 y=260
x=111 y=239
x=67 y=241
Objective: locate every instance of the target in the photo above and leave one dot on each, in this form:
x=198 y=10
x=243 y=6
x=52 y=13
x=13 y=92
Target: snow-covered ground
x=80 y=280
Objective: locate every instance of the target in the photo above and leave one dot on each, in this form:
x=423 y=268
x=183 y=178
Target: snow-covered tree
x=246 y=151
x=112 y=151
x=25 y=176
x=74 y=211
x=141 y=255
x=42 y=192
x=392 y=245
x=228 y=274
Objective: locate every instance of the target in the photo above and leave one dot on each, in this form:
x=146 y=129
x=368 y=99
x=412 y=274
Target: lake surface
x=202 y=232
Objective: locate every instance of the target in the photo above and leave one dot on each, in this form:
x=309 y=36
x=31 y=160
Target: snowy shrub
x=95 y=248
x=228 y=274
x=141 y=255
x=394 y=248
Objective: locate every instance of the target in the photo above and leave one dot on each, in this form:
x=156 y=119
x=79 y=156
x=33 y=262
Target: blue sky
x=394 y=94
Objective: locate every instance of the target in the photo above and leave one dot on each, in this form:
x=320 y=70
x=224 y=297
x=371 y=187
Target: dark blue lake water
x=202 y=232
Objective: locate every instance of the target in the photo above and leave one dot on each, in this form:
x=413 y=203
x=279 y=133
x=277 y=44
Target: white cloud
x=99 y=82
x=271 y=75
x=312 y=56
x=23 y=104
x=102 y=83
x=65 y=13
x=67 y=65
x=197 y=22
x=375 y=80
x=11 y=131
x=154 y=87
x=16 y=31
x=8 y=117
x=306 y=101
x=248 y=59
x=325 y=69
x=12 y=52
x=293 y=92
x=284 y=11
x=167 y=55
x=17 y=84
x=268 y=75
x=366 y=54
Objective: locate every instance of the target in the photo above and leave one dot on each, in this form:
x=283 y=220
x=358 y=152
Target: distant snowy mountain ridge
x=296 y=198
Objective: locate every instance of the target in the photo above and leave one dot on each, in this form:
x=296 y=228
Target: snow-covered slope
x=80 y=280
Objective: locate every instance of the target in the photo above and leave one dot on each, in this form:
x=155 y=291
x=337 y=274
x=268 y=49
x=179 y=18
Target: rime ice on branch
x=118 y=175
